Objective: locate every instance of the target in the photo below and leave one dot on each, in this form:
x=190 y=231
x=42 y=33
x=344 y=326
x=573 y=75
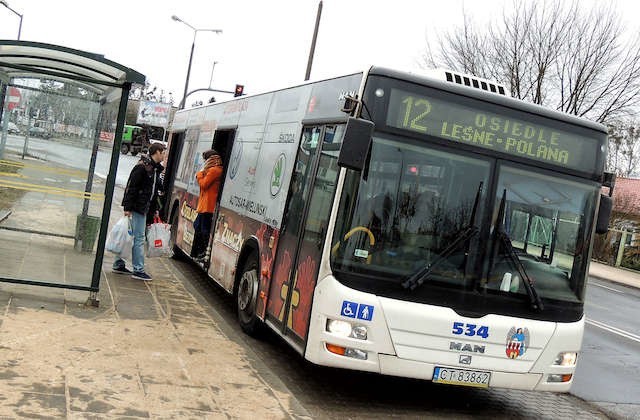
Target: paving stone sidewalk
x=149 y=351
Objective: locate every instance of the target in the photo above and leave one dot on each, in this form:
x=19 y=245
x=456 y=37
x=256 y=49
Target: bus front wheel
x=247 y=296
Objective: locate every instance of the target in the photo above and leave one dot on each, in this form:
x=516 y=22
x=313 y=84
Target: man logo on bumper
x=453 y=345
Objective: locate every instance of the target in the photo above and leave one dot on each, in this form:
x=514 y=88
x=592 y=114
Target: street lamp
x=193 y=45
x=212 y=69
x=4 y=3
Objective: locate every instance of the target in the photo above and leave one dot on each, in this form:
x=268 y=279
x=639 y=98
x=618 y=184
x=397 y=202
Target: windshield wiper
x=503 y=237
x=465 y=234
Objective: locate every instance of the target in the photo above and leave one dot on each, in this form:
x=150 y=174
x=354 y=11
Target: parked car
x=13 y=128
x=39 y=132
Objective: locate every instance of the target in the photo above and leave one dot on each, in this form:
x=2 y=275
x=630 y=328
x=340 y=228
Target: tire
x=247 y=296
x=177 y=252
x=124 y=149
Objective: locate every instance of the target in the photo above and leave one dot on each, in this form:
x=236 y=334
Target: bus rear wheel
x=247 y=296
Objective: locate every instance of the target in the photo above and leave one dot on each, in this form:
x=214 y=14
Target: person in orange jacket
x=209 y=179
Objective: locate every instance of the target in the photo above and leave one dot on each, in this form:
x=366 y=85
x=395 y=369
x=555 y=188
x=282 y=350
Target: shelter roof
x=25 y=59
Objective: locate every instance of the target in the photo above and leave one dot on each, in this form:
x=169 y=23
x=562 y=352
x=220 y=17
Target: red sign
x=106 y=136
x=14 y=98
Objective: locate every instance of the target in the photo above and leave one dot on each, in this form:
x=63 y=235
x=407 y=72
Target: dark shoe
x=141 y=276
x=121 y=270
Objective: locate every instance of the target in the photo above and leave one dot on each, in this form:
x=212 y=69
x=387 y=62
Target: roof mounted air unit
x=469 y=80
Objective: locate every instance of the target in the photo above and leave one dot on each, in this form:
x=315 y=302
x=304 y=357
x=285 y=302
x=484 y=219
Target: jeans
x=202 y=232
x=138 y=226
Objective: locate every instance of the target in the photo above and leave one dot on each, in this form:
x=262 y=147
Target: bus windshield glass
x=413 y=202
x=544 y=221
x=406 y=212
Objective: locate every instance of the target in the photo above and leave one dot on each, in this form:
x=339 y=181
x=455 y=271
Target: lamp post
x=313 y=42
x=193 y=45
x=4 y=3
x=212 y=69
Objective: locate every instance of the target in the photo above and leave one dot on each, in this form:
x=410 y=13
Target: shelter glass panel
x=54 y=163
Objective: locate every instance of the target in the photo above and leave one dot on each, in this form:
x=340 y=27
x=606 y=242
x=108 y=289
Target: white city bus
x=392 y=223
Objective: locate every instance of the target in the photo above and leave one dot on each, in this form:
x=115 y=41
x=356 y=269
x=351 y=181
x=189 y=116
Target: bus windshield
x=544 y=220
x=411 y=203
x=406 y=212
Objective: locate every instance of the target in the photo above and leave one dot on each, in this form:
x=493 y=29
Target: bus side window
x=295 y=204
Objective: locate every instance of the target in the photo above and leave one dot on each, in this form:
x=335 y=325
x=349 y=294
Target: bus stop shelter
x=61 y=111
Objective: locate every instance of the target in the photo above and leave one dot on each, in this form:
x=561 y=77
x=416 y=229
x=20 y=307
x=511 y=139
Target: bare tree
x=551 y=53
x=624 y=147
x=150 y=93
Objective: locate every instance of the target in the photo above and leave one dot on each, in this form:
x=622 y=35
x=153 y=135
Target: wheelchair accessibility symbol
x=349 y=309
x=356 y=310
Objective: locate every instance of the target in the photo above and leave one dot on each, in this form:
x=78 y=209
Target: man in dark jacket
x=142 y=188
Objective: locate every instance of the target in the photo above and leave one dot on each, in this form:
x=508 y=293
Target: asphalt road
x=609 y=366
x=76 y=155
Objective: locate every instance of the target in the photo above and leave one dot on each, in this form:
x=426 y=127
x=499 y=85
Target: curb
x=620 y=282
x=4 y=215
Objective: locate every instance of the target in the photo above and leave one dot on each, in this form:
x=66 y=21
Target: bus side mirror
x=609 y=181
x=355 y=144
x=604 y=214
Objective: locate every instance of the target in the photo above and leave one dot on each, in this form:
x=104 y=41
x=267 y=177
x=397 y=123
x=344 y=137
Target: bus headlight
x=346 y=329
x=568 y=358
x=359 y=332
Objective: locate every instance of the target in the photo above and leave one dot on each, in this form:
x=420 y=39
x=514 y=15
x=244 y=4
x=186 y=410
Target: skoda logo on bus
x=276 y=175
x=235 y=160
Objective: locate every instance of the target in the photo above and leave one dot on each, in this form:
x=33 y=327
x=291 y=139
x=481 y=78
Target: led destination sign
x=474 y=126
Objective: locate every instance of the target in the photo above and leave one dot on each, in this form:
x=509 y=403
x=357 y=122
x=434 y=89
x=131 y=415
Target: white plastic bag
x=158 y=236
x=120 y=239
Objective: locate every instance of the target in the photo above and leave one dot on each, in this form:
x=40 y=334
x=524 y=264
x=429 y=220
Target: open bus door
x=304 y=227
x=222 y=142
x=176 y=141
x=223 y=139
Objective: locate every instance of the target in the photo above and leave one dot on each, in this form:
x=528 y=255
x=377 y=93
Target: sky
x=264 y=44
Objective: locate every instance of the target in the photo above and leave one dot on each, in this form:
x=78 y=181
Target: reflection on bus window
x=411 y=203
x=187 y=158
x=324 y=188
x=545 y=220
